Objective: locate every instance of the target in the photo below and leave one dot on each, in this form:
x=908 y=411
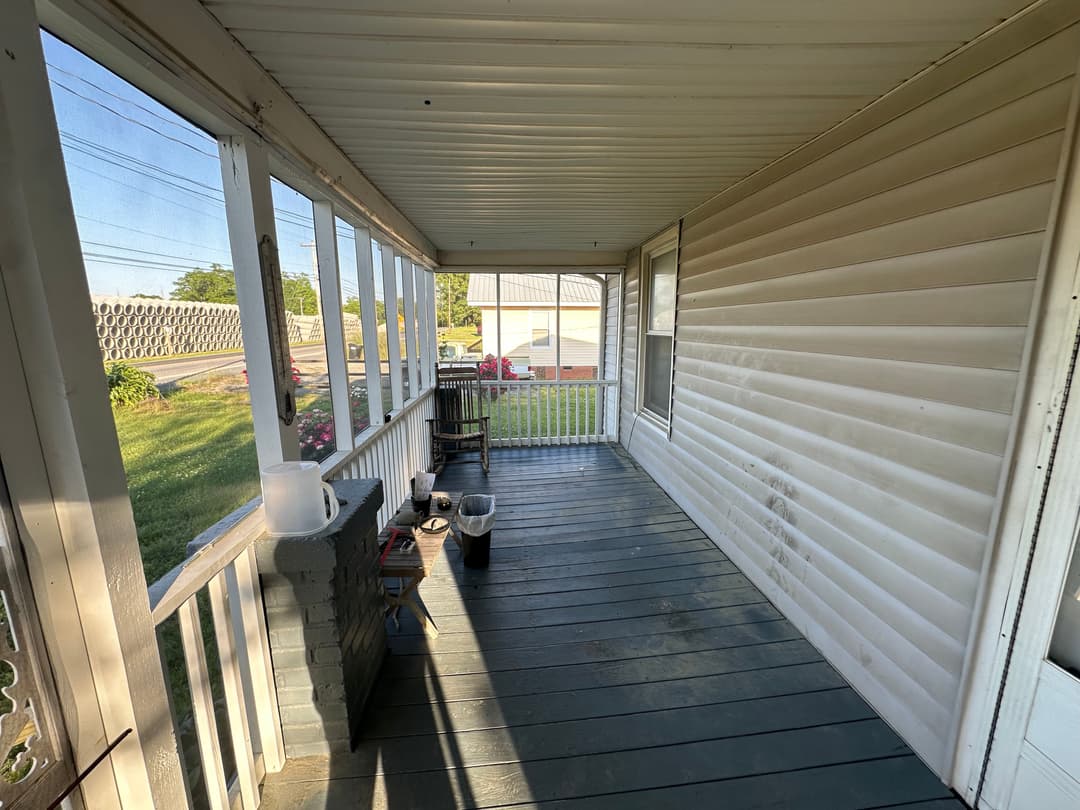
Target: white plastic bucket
x=293 y=499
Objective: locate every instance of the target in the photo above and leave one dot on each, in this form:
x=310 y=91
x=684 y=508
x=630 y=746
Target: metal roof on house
x=521 y=289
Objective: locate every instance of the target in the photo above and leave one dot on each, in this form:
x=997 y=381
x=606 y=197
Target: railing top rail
x=226 y=540
x=234 y=533
x=512 y=383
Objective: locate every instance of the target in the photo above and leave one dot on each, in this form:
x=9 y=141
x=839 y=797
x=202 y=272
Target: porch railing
x=549 y=412
x=223 y=573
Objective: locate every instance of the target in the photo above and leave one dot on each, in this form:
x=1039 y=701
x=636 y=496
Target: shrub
x=129 y=385
x=316 y=431
x=489 y=371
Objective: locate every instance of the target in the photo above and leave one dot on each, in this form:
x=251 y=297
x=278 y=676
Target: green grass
x=459 y=334
x=190 y=460
x=544 y=411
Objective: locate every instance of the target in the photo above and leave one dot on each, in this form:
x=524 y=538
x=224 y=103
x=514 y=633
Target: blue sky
x=146 y=186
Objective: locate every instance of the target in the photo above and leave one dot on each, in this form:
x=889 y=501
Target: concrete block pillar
x=324 y=614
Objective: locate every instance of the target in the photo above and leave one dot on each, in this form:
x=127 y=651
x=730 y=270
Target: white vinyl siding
x=850 y=330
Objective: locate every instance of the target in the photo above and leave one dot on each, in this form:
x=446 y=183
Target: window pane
x=146 y=189
x=465 y=309
x=148 y=201
x=662 y=293
x=1065 y=643
x=528 y=321
x=541 y=327
x=402 y=342
x=380 y=324
x=579 y=328
x=294 y=221
x=418 y=303
x=657 y=372
x=352 y=325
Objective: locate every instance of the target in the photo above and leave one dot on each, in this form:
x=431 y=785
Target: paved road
x=168 y=371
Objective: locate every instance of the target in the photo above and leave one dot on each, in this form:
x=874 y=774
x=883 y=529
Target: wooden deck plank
x=610 y=657
x=681 y=641
x=524 y=710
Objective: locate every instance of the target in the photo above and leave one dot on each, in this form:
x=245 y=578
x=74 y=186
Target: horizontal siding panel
x=1011 y=214
x=1040 y=113
x=1019 y=167
x=1004 y=304
x=1001 y=85
x=848 y=346
x=815 y=605
x=975 y=347
x=953 y=501
x=916 y=610
x=942 y=460
x=798 y=510
x=983 y=431
x=1010 y=259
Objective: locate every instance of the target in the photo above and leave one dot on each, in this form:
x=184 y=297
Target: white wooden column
x=62 y=460
x=424 y=315
x=408 y=301
x=434 y=336
x=333 y=328
x=365 y=285
x=393 y=342
x=249 y=210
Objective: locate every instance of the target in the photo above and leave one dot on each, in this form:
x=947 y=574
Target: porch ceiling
x=564 y=123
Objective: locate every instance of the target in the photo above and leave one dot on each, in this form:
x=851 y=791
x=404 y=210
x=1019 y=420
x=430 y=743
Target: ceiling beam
x=532 y=261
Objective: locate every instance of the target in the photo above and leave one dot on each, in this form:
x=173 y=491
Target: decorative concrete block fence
x=138 y=328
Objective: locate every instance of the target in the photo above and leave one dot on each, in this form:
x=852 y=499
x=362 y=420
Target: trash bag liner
x=476 y=515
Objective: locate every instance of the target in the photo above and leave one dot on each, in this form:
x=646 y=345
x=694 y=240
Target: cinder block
x=318 y=591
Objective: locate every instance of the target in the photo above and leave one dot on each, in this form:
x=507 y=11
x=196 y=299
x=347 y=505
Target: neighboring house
x=529 y=323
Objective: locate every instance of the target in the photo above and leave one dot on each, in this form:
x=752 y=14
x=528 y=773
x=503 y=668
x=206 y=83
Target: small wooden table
x=410 y=567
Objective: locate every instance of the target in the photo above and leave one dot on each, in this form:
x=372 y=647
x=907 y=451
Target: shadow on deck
x=611 y=657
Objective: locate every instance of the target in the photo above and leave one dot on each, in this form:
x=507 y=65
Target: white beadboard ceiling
x=557 y=124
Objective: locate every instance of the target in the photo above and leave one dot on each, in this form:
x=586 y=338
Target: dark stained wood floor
x=610 y=657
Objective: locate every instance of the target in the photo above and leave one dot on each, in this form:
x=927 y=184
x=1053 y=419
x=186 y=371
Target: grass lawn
x=543 y=412
x=459 y=334
x=190 y=460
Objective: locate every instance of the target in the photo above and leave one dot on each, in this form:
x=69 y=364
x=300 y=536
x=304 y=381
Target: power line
x=182 y=124
x=144 y=233
x=128 y=118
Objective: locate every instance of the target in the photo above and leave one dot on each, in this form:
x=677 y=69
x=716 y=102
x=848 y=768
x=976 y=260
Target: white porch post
x=365 y=285
x=249 y=210
x=333 y=328
x=408 y=302
x=393 y=342
x=62 y=459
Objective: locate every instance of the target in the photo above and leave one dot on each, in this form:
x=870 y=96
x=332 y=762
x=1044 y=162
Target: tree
x=352 y=307
x=299 y=294
x=214 y=286
x=451 y=300
x=145 y=295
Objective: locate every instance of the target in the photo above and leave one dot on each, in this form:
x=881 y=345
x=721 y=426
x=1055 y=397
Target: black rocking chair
x=460 y=422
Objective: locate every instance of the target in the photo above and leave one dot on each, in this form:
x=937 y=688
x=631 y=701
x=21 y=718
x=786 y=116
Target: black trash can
x=476 y=551
x=475 y=519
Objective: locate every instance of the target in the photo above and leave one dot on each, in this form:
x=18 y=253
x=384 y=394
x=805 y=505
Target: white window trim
x=665 y=241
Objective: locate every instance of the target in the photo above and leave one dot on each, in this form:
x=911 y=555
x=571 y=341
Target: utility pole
x=314 y=272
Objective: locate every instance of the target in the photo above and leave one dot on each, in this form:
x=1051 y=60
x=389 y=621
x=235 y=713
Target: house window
x=659 y=267
x=540 y=328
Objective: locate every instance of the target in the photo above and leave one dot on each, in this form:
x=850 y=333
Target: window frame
x=532 y=331
x=665 y=242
